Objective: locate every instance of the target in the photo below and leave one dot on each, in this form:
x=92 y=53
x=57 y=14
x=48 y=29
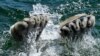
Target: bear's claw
x=77 y=24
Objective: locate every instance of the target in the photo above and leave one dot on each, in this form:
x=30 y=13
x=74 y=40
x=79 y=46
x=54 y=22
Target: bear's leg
x=21 y=29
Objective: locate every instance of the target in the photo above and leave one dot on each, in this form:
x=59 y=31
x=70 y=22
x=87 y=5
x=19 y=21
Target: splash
x=86 y=46
x=49 y=34
x=39 y=9
x=50 y=38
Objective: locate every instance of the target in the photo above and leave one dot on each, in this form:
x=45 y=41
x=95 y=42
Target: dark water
x=15 y=10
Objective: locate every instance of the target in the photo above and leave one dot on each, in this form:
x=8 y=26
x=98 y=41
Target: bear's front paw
x=21 y=29
x=77 y=25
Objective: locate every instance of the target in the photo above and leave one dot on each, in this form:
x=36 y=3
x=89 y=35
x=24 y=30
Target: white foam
x=50 y=32
x=39 y=9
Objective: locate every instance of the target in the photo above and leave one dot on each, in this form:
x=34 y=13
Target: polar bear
x=68 y=28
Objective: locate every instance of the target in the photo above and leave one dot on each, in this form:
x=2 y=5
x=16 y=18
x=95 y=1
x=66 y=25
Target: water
x=15 y=10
